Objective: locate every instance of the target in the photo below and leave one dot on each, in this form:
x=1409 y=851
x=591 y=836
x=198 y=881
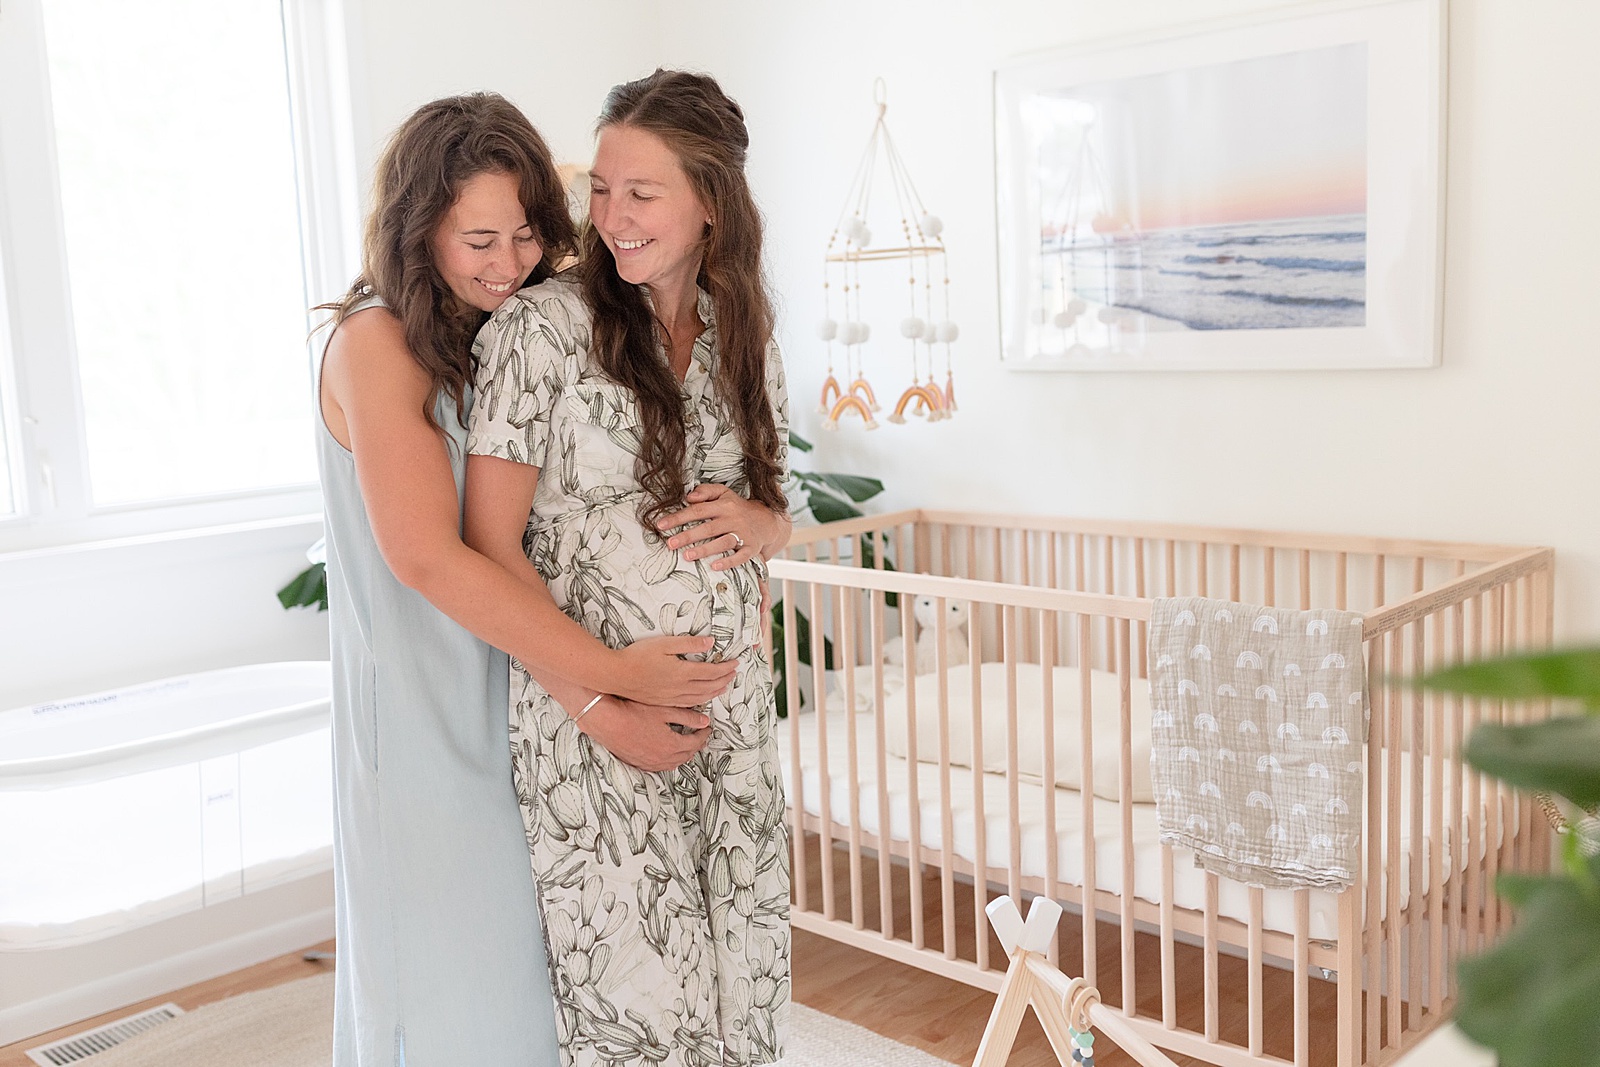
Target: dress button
x=722 y=587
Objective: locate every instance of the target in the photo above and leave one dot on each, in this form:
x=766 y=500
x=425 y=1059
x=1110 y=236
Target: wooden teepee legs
x=1067 y=1008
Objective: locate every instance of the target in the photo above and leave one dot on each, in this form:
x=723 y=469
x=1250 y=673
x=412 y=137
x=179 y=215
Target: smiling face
x=484 y=248
x=646 y=211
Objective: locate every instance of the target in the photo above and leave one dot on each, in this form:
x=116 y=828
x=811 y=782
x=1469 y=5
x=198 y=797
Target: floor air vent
x=80 y=1047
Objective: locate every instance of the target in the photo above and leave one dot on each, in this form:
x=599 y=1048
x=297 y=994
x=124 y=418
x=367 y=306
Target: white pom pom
x=913 y=327
x=1064 y=319
x=1108 y=315
x=852 y=226
x=827 y=329
x=932 y=225
x=864 y=331
x=847 y=333
x=946 y=332
x=1077 y=306
x=863 y=236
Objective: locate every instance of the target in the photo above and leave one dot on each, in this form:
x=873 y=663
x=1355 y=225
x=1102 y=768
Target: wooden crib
x=900 y=841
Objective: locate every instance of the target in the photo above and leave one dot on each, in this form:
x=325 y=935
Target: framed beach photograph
x=1249 y=195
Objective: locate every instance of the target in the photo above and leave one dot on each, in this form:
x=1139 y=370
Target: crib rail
x=1059 y=609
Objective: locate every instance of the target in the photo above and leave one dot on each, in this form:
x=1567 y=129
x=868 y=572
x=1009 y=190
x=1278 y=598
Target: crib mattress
x=1028 y=823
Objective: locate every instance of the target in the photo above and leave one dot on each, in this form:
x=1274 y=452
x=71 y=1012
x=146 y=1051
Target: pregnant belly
x=623 y=585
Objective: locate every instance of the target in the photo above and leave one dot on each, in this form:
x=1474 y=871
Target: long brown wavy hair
x=706 y=132
x=419 y=176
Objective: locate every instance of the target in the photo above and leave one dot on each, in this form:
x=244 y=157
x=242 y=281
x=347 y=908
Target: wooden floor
x=261 y=976
x=951 y=1011
x=943 y=1017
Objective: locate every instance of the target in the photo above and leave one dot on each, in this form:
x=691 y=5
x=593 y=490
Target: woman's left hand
x=725 y=524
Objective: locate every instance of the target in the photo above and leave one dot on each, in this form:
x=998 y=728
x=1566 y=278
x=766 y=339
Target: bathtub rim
x=172 y=748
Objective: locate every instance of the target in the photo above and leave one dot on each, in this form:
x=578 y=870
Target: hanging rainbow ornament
x=924 y=329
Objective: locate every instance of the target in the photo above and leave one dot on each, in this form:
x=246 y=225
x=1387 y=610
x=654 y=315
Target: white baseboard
x=109 y=992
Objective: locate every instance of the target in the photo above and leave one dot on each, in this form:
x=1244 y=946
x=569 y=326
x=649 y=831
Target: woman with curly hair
x=627 y=452
x=440 y=955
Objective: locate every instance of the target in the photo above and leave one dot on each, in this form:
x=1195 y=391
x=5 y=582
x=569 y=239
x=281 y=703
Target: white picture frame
x=1249 y=195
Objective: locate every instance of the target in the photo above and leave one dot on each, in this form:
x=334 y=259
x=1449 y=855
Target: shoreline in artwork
x=1278 y=274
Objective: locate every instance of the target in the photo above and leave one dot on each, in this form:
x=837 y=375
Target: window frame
x=41 y=408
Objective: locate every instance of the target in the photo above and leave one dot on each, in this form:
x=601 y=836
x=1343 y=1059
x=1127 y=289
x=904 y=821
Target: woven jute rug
x=291 y=1025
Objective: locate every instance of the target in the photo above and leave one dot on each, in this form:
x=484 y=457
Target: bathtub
x=129 y=807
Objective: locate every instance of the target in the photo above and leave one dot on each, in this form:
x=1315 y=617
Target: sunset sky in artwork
x=1269 y=138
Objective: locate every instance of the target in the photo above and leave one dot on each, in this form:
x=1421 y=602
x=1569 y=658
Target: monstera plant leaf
x=1535 y=997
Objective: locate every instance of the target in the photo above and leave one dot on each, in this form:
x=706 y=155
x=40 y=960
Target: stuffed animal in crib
x=932 y=627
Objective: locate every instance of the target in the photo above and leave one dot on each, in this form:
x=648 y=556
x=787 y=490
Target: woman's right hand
x=643 y=735
x=652 y=671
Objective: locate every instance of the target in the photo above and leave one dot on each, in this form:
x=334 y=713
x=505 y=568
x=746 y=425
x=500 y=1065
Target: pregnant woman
x=440 y=955
x=628 y=450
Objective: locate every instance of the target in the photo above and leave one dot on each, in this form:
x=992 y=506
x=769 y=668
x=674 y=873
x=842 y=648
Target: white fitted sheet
x=998 y=819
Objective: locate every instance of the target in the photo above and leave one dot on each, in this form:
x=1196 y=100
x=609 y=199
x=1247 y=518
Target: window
x=174 y=181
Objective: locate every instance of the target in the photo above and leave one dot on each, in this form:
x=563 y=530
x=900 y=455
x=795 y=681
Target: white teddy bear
x=952 y=627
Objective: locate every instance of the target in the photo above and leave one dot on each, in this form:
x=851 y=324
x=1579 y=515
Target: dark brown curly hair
x=438 y=149
x=706 y=132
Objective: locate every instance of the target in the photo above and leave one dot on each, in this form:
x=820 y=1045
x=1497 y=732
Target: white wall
x=1494 y=445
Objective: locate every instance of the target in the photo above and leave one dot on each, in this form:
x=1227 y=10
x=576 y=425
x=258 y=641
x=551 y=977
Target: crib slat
x=1436 y=824
x=1169 y=975
x=1253 y=965
x=1052 y=845
x=1341 y=580
x=1108 y=586
x=1372 y=923
x=1302 y=979
x=980 y=824
x=1269 y=576
x=1234 y=576
x=1475 y=827
x=1086 y=789
x=1202 y=558
x=1213 y=990
x=1172 y=568
x=919 y=933
x=1494 y=712
x=885 y=849
x=819 y=693
x=1139 y=587
x=1420 y=844
x=1013 y=784
x=1460 y=850
x=947 y=889
x=1392 y=813
x=1125 y=806
x=844 y=646
x=797 y=793
x=1305 y=579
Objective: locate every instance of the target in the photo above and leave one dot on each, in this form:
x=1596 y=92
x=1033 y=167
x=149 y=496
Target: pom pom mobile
x=849 y=246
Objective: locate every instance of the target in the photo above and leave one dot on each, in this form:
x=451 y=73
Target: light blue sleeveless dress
x=441 y=958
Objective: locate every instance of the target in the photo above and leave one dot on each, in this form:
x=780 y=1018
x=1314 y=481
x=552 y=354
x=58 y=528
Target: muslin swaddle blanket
x=1257 y=721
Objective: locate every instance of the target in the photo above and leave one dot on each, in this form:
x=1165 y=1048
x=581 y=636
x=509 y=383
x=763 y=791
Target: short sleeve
x=521 y=372
x=778 y=393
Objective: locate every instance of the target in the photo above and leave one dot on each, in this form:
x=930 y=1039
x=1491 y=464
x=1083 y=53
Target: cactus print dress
x=665 y=896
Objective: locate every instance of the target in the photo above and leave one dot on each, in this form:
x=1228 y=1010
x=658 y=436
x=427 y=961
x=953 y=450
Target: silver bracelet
x=589 y=706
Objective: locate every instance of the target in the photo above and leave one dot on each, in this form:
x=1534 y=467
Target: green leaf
x=1556 y=756
x=826 y=507
x=308 y=587
x=1532 y=998
x=1572 y=673
x=853 y=486
x=798 y=443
